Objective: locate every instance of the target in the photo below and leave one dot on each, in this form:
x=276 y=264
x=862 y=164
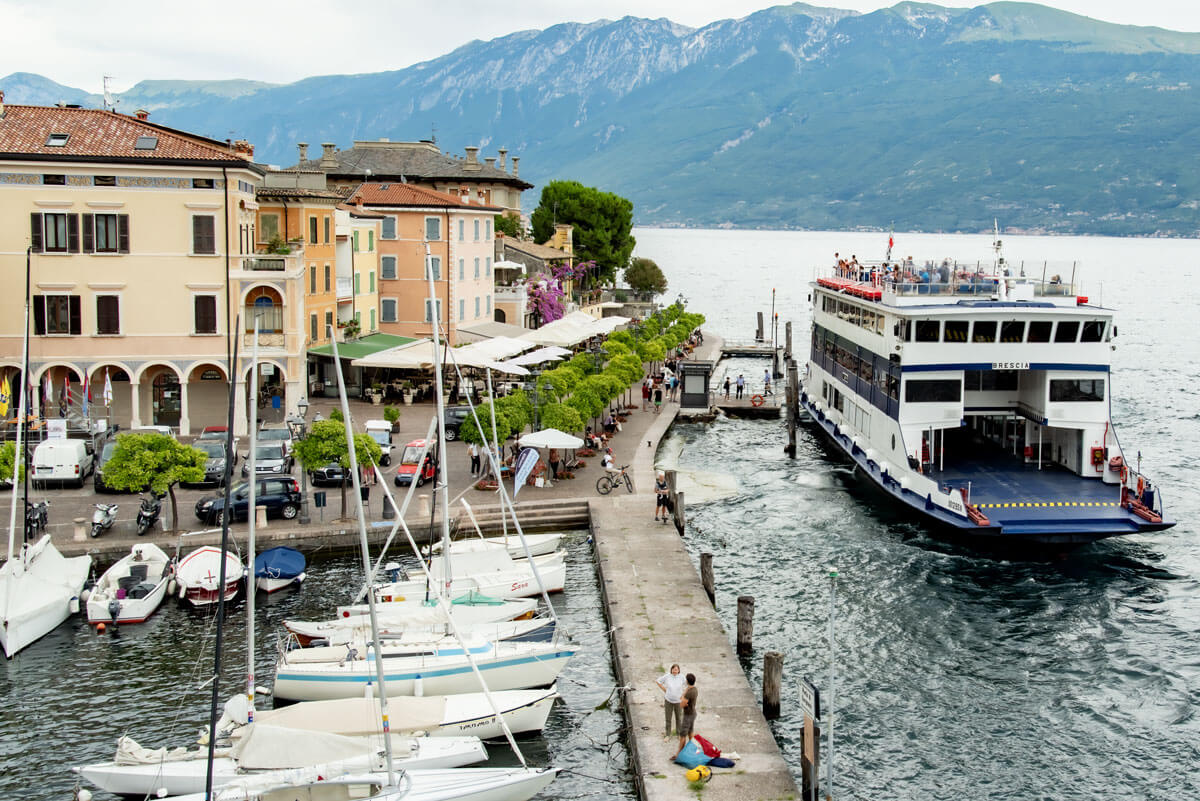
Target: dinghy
x=131 y=589
x=198 y=574
x=277 y=568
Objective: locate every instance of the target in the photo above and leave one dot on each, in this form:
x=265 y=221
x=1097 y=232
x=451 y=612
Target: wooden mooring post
x=793 y=406
x=758 y=332
x=745 y=624
x=787 y=338
x=772 y=684
x=706 y=578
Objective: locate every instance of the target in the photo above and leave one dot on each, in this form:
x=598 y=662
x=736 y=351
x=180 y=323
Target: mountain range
x=928 y=118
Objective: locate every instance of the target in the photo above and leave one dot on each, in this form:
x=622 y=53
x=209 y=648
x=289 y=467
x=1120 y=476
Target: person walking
x=741 y=385
x=767 y=381
x=658 y=396
x=691 y=697
x=554 y=458
x=660 y=496
x=476 y=464
x=672 y=685
x=645 y=394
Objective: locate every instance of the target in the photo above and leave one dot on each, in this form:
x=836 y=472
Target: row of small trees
x=583 y=387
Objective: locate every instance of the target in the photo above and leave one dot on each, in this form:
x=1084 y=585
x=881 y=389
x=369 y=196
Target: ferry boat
x=977 y=396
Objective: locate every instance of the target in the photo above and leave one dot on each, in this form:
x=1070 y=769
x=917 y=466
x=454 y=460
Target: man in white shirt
x=672 y=684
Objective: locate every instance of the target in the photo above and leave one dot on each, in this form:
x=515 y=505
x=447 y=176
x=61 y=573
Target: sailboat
x=39 y=587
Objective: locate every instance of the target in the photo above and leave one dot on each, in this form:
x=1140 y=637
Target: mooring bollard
x=772 y=684
x=745 y=624
x=678 y=514
x=706 y=578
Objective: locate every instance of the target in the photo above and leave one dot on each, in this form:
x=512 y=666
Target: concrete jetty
x=660 y=614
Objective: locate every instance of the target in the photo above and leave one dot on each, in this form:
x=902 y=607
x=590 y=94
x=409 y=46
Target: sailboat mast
x=366 y=556
x=252 y=517
x=18 y=458
x=444 y=483
x=216 y=677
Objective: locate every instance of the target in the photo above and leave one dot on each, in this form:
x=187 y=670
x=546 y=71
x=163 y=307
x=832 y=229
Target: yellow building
x=140 y=241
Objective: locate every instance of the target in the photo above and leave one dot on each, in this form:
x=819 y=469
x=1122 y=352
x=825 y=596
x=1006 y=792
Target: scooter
x=37 y=517
x=148 y=514
x=103 y=518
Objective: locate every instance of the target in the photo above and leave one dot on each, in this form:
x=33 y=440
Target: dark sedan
x=281 y=496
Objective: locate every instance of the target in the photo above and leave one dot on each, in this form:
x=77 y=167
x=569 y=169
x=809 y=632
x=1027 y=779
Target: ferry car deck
x=979 y=397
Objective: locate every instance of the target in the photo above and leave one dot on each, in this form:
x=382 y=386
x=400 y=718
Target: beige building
x=141 y=243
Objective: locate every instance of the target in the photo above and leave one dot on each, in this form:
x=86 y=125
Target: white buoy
x=419 y=686
x=171 y=585
x=83 y=794
x=263 y=691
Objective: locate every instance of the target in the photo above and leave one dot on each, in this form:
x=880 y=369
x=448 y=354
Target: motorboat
x=198 y=575
x=277 y=568
x=132 y=588
x=339 y=632
x=539 y=544
x=39 y=589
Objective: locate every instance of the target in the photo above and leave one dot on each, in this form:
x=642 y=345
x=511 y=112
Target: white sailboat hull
x=189 y=775
x=516 y=583
x=38 y=590
x=462 y=715
x=415 y=612
x=270 y=585
x=505 y=666
x=539 y=544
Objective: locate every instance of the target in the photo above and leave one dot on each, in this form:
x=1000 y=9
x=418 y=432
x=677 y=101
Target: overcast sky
x=76 y=42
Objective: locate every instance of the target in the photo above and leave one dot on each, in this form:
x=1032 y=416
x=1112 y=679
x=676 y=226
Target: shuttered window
x=206 y=314
x=105 y=233
x=387 y=310
x=389 y=228
x=108 y=314
x=57 y=314
x=387 y=267
x=204 y=235
x=54 y=233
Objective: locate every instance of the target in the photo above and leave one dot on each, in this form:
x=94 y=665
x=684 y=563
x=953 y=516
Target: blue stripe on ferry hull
x=365 y=677
x=1038 y=527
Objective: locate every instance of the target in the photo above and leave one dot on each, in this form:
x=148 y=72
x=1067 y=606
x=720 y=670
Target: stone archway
x=207 y=395
x=273 y=390
x=117 y=408
x=158 y=398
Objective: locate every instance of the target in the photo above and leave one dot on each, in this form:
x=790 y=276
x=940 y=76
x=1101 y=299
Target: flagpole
x=25 y=377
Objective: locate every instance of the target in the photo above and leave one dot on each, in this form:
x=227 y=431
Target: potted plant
x=376 y=393
x=392 y=415
x=407 y=392
x=351 y=329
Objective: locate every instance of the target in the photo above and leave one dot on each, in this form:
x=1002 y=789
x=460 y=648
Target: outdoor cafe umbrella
x=550 y=438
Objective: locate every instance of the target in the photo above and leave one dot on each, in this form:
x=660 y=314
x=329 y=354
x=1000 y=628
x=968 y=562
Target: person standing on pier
x=741 y=385
x=473 y=451
x=672 y=685
x=767 y=381
x=658 y=395
x=690 y=697
x=660 y=502
x=726 y=387
x=645 y=394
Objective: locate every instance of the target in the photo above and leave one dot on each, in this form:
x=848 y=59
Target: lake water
x=960 y=675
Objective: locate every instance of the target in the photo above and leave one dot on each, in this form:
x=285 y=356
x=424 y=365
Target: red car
x=408 y=463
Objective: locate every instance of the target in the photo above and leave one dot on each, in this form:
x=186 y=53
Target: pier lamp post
x=299 y=429
x=829 y=707
x=532 y=387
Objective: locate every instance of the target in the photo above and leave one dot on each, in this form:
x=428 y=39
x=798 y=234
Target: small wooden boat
x=199 y=573
x=131 y=589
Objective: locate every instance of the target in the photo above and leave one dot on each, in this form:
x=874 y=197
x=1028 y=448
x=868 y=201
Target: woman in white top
x=672 y=684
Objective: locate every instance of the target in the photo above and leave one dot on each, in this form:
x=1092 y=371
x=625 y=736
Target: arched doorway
x=165 y=399
x=265 y=304
x=208 y=396
x=500 y=316
x=272 y=392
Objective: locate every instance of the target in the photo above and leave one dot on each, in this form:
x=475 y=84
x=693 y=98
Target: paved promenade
x=660 y=615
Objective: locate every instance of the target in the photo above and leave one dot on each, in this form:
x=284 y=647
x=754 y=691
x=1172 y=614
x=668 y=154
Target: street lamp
x=299 y=428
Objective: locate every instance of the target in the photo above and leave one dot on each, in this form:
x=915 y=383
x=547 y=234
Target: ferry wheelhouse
x=979 y=397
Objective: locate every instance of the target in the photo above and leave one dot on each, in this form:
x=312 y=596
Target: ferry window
x=1012 y=331
x=990 y=380
x=938 y=390
x=985 y=331
x=1039 y=331
x=868 y=319
x=1067 y=331
x=1073 y=390
x=956 y=330
x=865 y=370
x=1093 y=331
x=893 y=387
x=928 y=330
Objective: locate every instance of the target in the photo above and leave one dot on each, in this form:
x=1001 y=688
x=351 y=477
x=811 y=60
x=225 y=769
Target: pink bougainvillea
x=546 y=292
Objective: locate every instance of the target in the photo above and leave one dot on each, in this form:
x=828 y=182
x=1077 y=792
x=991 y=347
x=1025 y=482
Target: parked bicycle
x=608 y=482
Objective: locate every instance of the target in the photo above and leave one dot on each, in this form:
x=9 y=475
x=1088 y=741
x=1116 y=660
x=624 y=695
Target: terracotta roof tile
x=395 y=194
x=269 y=192
x=94 y=133
x=414 y=161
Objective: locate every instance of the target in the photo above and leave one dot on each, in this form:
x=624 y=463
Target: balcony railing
x=265 y=263
x=510 y=293
x=345 y=288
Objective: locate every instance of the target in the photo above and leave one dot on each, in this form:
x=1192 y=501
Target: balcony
x=510 y=294
x=345 y=289
x=265 y=263
x=262 y=266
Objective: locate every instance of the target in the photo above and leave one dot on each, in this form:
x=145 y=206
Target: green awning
x=363 y=346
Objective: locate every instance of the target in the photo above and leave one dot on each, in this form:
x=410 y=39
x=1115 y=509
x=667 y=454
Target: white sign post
x=56 y=428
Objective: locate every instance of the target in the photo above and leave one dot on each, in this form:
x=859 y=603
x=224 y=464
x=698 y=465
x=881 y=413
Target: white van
x=381 y=432
x=62 y=460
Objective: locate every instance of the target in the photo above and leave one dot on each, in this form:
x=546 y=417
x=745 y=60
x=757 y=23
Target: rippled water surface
x=961 y=674
x=69 y=696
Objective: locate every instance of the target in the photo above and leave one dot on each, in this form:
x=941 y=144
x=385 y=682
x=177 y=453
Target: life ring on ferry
x=757 y=401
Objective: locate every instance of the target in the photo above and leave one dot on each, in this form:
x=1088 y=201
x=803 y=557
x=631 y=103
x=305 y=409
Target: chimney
x=472 y=159
x=142 y=114
x=491 y=161
x=328 y=160
x=503 y=158
x=303 y=148
x=516 y=166
x=243 y=148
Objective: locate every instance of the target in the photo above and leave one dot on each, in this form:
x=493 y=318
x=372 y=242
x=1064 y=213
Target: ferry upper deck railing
x=873 y=279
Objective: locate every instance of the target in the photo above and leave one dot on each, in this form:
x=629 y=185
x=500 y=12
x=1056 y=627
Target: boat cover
x=264 y=747
x=279 y=563
x=130 y=753
x=360 y=715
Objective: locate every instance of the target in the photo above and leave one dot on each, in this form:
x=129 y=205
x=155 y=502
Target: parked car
x=281 y=496
x=282 y=435
x=214 y=463
x=62 y=461
x=106 y=452
x=455 y=415
x=381 y=432
x=408 y=464
x=165 y=430
x=269 y=458
x=332 y=474
x=214 y=432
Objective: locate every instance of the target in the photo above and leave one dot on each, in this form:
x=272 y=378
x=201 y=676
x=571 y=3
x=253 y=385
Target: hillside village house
x=461 y=244
x=141 y=247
